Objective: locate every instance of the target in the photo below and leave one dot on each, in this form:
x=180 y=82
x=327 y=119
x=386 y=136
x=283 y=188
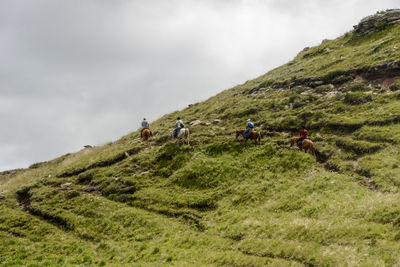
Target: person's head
x=144 y=119
x=248 y=120
x=178 y=118
x=303 y=126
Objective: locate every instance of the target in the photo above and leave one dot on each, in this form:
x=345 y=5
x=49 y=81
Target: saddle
x=301 y=141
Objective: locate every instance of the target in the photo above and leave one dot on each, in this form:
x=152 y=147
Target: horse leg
x=313 y=152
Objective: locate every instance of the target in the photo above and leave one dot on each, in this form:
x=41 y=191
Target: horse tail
x=259 y=138
x=188 y=134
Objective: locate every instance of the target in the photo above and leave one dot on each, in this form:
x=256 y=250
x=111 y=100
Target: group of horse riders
x=246 y=134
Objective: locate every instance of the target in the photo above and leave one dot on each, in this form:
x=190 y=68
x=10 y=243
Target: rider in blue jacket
x=249 y=128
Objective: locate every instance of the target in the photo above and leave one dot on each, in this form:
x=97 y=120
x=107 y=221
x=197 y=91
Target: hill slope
x=221 y=202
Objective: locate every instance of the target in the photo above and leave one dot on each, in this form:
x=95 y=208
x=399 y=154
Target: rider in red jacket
x=303 y=135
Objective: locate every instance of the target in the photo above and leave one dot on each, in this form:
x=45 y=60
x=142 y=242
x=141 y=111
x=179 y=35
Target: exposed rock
x=305 y=49
x=65 y=185
x=377 y=46
x=332 y=93
x=87 y=146
x=342 y=79
x=253 y=90
x=285 y=135
x=191 y=105
x=377 y=22
x=316 y=83
x=196 y=122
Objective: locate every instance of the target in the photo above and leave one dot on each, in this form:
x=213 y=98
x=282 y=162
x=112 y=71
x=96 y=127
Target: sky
x=77 y=72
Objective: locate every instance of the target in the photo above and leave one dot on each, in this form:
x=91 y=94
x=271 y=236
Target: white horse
x=183 y=134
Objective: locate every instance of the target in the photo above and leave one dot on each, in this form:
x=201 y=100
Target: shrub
x=219 y=148
x=266 y=83
x=356 y=98
x=395 y=86
x=85 y=178
x=170 y=158
x=323 y=89
x=358 y=87
x=71 y=194
x=204 y=172
x=359 y=147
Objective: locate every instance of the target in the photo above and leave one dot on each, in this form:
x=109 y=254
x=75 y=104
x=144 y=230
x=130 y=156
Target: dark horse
x=307 y=145
x=146 y=133
x=254 y=135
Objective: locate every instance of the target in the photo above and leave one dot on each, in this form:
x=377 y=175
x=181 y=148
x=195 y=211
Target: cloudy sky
x=77 y=72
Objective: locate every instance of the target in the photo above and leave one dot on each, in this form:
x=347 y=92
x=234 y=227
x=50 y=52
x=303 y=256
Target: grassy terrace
x=220 y=202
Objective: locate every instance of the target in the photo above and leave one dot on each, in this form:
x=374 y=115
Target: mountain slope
x=221 y=202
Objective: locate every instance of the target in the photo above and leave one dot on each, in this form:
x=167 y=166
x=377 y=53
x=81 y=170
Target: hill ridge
x=219 y=202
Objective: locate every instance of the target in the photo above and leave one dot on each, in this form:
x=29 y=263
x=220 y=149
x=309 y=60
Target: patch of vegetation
x=395 y=86
x=358 y=87
x=357 y=98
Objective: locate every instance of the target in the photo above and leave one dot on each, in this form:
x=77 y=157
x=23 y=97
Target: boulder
x=216 y=121
x=65 y=185
x=285 y=135
x=196 y=122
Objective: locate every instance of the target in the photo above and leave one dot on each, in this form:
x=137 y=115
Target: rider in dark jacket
x=145 y=125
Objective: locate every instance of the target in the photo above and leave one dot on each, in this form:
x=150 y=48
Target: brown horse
x=146 y=133
x=307 y=145
x=254 y=135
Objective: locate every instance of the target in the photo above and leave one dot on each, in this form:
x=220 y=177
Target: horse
x=146 y=133
x=254 y=135
x=307 y=145
x=182 y=134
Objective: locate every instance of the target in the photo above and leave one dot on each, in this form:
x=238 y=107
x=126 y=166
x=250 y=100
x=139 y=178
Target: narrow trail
x=273 y=256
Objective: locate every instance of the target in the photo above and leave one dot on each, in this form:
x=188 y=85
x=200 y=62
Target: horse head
x=239 y=132
x=293 y=140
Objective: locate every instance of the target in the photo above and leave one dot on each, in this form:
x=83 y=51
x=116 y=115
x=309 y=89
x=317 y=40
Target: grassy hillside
x=219 y=202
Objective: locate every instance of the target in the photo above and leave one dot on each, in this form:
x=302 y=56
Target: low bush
x=323 y=89
x=357 y=98
x=358 y=87
x=395 y=86
x=359 y=147
x=203 y=172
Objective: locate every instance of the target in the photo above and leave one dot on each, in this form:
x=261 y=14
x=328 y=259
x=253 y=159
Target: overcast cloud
x=77 y=72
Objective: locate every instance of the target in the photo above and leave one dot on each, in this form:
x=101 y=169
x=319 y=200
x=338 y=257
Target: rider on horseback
x=303 y=136
x=145 y=125
x=249 y=129
x=179 y=125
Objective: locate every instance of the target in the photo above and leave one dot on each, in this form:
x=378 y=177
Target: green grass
x=219 y=202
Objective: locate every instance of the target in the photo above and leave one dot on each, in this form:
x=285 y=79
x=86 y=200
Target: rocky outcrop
x=377 y=22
